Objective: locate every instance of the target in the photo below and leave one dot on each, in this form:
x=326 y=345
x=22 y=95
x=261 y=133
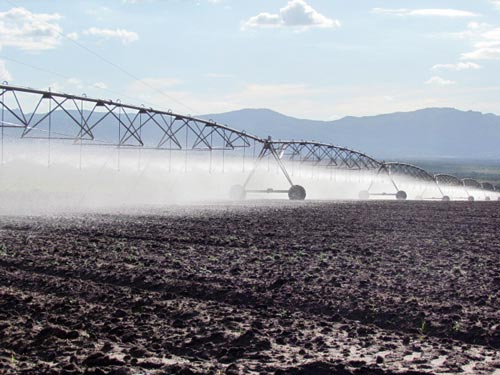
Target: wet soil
x=265 y=288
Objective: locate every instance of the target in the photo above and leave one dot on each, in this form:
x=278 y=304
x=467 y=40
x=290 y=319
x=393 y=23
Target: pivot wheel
x=446 y=198
x=401 y=195
x=471 y=199
x=237 y=193
x=297 y=193
x=364 y=195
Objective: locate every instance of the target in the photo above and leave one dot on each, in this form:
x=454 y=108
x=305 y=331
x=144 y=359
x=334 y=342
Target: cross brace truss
x=83 y=120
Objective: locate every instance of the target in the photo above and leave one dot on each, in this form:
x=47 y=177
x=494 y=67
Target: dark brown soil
x=275 y=288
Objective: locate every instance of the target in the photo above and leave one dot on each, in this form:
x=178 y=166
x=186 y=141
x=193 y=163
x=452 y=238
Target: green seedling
x=422 y=328
x=3 y=250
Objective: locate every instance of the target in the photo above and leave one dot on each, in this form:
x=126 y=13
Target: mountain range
x=432 y=133
x=423 y=134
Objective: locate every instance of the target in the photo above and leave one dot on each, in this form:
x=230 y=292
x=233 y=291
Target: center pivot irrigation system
x=38 y=114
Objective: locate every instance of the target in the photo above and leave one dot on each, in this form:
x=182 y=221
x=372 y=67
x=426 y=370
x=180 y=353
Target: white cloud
x=473 y=31
x=436 y=12
x=264 y=20
x=492 y=35
x=482 y=54
x=100 y=85
x=123 y=35
x=71 y=84
x=485 y=42
x=297 y=13
x=438 y=81
x=28 y=31
x=72 y=36
x=218 y=75
x=4 y=73
x=484 y=39
x=473 y=25
x=75 y=81
x=458 y=66
x=496 y=3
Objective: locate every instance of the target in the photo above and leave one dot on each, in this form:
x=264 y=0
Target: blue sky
x=318 y=59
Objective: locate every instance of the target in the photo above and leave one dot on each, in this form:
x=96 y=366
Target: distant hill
x=426 y=133
x=433 y=133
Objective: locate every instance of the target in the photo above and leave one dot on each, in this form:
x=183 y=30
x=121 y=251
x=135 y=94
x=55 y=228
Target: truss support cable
x=170 y=157
x=280 y=164
x=2 y=141
x=261 y=155
x=119 y=137
x=211 y=153
x=81 y=136
x=243 y=169
x=186 y=150
x=50 y=133
x=140 y=140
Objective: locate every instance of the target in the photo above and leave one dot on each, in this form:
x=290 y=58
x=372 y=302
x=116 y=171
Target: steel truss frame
x=177 y=132
x=447 y=181
x=487 y=188
x=325 y=155
x=394 y=171
x=314 y=154
x=471 y=184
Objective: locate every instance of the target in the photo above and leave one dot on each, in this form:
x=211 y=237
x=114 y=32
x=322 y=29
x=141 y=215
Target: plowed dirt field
x=257 y=287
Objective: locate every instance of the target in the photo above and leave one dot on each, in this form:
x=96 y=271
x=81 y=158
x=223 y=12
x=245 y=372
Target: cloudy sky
x=318 y=59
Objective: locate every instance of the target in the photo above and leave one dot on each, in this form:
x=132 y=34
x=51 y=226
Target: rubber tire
x=487 y=199
x=446 y=198
x=401 y=195
x=237 y=193
x=296 y=193
x=364 y=195
x=471 y=199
